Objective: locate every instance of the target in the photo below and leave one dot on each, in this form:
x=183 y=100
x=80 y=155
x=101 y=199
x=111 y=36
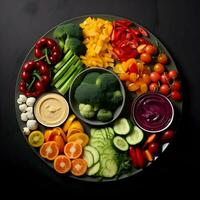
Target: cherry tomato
x=158 y=67
x=164 y=78
x=164 y=89
x=162 y=58
x=175 y=95
x=153 y=87
x=145 y=57
x=155 y=77
x=167 y=136
x=153 y=148
x=176 y=85
x=141 y=48
x=146 y=78
x=173 y=74
x=150 y=49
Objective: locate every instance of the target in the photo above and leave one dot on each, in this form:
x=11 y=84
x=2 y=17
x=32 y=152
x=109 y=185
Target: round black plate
x=177 y=105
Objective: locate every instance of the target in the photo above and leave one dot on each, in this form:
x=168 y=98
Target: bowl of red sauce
x=152 y=112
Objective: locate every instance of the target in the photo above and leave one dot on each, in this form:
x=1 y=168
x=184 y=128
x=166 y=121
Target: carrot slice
x=79 y=167
x=60 y=142
x=80 y=138
x=49 y=150
x=67 y=124
x=72 y=132
x=62 y=164
x=73 y=150
x=76 y=125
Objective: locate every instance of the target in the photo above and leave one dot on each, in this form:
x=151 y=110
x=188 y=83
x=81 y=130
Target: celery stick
x=62 y=71
x=67 y=56
x=66 y=76
x=68 y=83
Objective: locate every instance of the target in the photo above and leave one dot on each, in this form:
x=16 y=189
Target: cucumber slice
x=120 y=143
x=88 y=157
x=135 y=137
x=94 y=152
x=110 y=169
x=122 y=126
x=93 y=170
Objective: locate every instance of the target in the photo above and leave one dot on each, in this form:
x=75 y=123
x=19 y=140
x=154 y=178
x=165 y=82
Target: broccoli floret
x=104 y=115
x=75 y=45
x=113 y=99
x=107 y=81
x=87 y=110
x=91 y=78
x=67 y=30
x=88 y=94
x=117 y=97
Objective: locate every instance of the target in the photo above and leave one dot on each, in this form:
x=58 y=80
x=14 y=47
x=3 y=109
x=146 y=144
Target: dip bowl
x=152 y=112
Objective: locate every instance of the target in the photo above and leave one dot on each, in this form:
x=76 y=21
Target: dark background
x=175 y=23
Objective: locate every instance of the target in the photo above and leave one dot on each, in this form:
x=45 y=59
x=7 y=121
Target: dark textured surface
x=22 y=22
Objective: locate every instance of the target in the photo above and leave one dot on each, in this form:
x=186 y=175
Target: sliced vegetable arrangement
x=89 y=121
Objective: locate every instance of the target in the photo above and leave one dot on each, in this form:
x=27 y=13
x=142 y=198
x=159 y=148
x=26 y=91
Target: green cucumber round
x=120 y=143
x=135 y=136
x=122 y=126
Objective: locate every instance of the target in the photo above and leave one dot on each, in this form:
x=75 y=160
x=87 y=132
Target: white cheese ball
x=26 y=131
x=29 y=109
x=22 y=99
x=24 y=117
x=30 y=115
x=23 y=107
x=30 y=101
x=32 y=124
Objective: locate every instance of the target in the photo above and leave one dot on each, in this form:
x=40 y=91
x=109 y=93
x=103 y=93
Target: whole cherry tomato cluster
x=140 y=156
x=165 y=82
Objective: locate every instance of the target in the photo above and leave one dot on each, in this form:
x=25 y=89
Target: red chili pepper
x=133 y=156
x=38 y=74
x=49 y=49
x=143 y=32
x=122 y=22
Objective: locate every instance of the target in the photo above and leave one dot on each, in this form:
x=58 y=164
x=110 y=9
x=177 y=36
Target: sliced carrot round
x=72 y=132
x=76 y=125
x=80 y=138
x=62 y=164
x=47 y=134
x=49 y=150
x=73 y=150
x=60 y=142
x=70 y=119
x=79 y=167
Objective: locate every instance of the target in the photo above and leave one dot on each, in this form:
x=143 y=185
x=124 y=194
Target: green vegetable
x=67 y=56
x=75 y=45
x=64 y=69
x=122 y=126
x=68 y=83
x=135 y=136
x=64 y=30
x=113 y=99
x=107 y=82
x=104 y=115
x=88 y=94
x=90 y=78
x=120 y=143
x=87 y=110
x=67 y=74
